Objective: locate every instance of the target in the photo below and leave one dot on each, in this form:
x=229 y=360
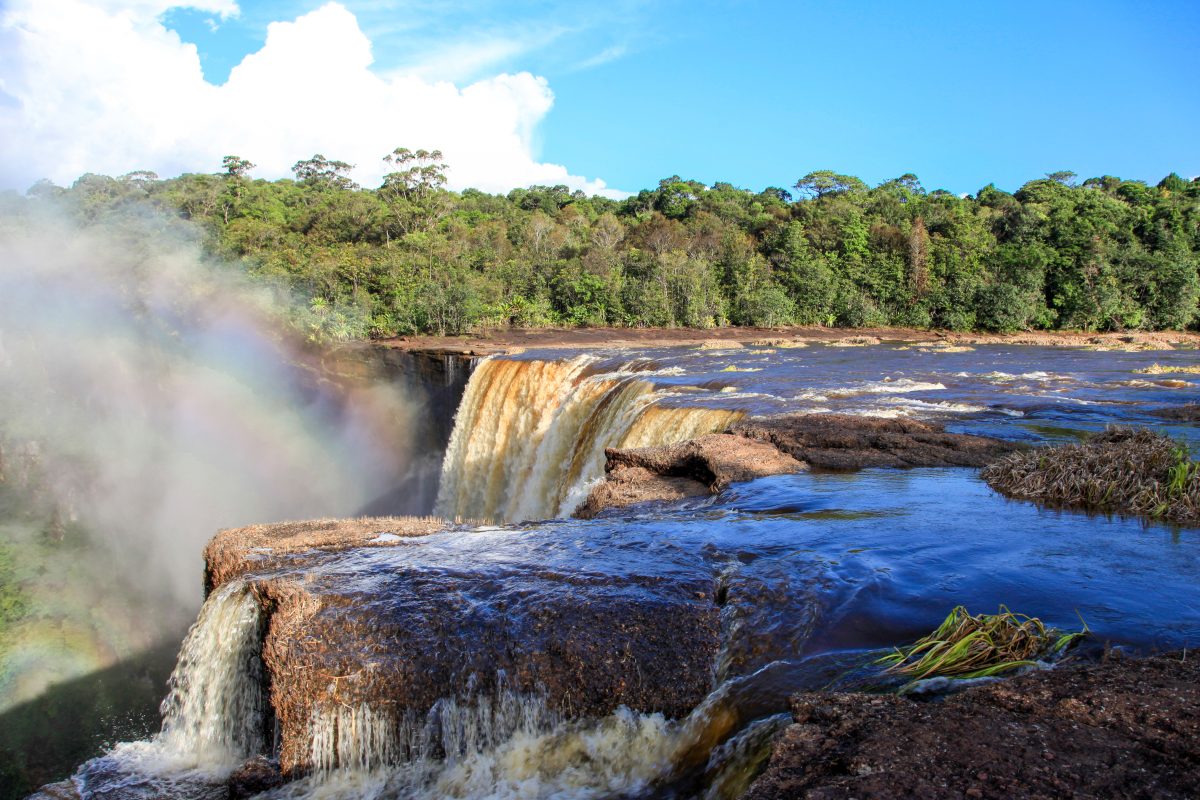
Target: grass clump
x=978 y=646
x=1122 y=470
x=1159 y=369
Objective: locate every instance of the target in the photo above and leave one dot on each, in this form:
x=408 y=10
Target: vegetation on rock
x=1121 y=470
x=978 y=646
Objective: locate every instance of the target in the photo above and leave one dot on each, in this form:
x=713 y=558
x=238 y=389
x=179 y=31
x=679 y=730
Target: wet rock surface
x=1126 y=728
x=700 y=466
x=254 y=777
x=779 y=446
x=627 y=486
x=63 y=790
x=389 y=629
x=846 y=442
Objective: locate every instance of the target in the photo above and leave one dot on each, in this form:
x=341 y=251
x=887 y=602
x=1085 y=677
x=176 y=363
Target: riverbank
x=507 y=340
x=1124 y=728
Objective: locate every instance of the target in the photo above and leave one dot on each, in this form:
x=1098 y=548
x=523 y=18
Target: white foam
x=886 y=386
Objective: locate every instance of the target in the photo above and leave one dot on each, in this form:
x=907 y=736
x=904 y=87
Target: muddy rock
x=63 y=790
x=1126 y=728
x=847 y=442
x=626 y=486
x=700 y=466
x=254 y=777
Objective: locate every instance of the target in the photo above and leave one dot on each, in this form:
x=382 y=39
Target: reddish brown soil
x=509 y=339
x=1128 y=728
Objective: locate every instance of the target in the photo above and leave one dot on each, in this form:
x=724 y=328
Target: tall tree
x=323 y=173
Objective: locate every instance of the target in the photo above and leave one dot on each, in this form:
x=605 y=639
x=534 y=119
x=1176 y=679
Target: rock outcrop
x=235 y=551
x=1185 y=413
x=777 y=446
x=354 y=624
x=1126 y=728
x=847 y=442
x=697 y=467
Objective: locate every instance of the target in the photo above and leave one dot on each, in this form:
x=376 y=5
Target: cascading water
x=214 y=710
x=213 y=716
x=508 y=746
x=530 y=435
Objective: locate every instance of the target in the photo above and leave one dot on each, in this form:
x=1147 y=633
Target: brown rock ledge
x=696 y=467
x=1126 y=728
x=1185 y=413
x=236 y=551
x=781 y=445
x=848 y=442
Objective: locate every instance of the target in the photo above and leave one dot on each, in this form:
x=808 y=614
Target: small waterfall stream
x=213 y=716
x=214 y=710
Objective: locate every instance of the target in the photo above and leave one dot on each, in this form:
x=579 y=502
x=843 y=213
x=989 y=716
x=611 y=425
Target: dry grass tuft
x=235 y=551
x=980 y=646
x=1159 y=369
x=1121 y=470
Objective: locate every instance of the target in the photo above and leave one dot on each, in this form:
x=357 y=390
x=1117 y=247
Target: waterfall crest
x=530 y=435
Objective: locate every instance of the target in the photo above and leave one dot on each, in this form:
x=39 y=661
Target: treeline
x=413 y=257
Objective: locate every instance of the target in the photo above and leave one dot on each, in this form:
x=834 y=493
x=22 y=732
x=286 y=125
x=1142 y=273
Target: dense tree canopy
x=411 y=256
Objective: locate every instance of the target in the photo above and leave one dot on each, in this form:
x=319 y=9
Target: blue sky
x=759 y=93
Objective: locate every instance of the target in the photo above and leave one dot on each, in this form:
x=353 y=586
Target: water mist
x=147 y=400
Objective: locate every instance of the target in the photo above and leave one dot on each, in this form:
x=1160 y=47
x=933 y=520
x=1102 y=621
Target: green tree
x=320 y=172
x=824 y=182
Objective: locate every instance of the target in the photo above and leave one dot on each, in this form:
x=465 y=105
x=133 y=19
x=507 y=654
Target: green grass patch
x=978 y=646
x=13 y=602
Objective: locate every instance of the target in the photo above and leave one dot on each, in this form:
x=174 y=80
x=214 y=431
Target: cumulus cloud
x=103 y=86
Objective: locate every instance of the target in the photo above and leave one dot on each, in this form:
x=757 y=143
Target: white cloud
x=603 y=57
x=102 y=86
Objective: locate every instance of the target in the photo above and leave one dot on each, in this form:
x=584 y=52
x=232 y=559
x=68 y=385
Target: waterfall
x=213 y=716
x=510 y=745
x=529 y=436
x=514 y=745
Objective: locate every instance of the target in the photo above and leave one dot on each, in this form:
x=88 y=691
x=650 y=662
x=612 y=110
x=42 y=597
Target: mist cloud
x=102 y=86
x=160 y=405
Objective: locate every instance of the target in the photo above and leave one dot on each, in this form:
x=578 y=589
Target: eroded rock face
x=398 y=628
x=697 y=467
x=847 y=442
x=627 y=486
x=1127 y=728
